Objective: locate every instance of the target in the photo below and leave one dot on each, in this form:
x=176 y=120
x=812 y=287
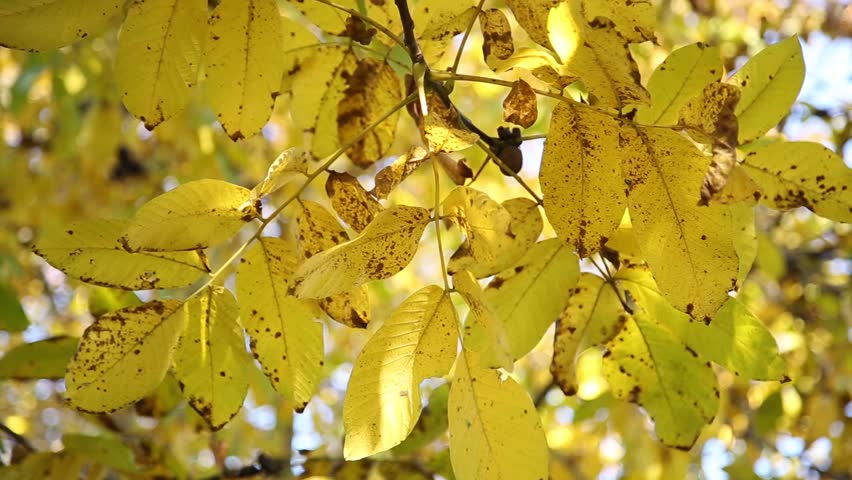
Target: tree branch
x=408 y=36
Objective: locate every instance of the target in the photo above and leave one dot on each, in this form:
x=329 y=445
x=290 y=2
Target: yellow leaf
x=291 y=165
x=384 y=248
x=802 y=174
x=592 y=316
x=770 y=83
x=90 y=250
x=635 y=20
x=59 y=22
x=647 y=364
x=371 y=90
x=532 y=15
x=193 y=216
x=382 y=400
x=745 y=239
x=529 y=297
x=45 y=466
x=581 y=176
x=484 y=334
x=318 y=231
x=243 y=64
x=597 y=53
x=441 y=128
x=496 y=35
x=159 y=52
x=391 y=176
x=688 y=247
x=124 y=356
x=438 y=22
x=485 y=222
x=495 y=430
x=682 y=75
x=285 y=338
x=524 y=230
x=318 y=86
x=333 y=20
x=210 y=360
x=351 y=202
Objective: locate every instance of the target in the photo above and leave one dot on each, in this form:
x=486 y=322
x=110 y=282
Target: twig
x=542 y=394
x=408 y=36
x=457 y=60
x=18 y=438
x=438 y=224
x=486 y=148
x=366 y=19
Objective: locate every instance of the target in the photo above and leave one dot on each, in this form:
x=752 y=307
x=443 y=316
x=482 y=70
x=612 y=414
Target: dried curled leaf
x=496 y=35
x=351 y=202
x=521 y=105
x=372 y=89
x=391 y=176
x=290 y=165
x=710 y=117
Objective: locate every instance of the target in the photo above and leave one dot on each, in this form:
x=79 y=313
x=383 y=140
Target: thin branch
x=481 y=144
x=331 y=159
x=18 y=438
x=457 y=60
x=366 y=19
x=494 y=81
x=536 y=136
x=408 y=36
x=438 y=224
x=481 y=169
x=542 y=394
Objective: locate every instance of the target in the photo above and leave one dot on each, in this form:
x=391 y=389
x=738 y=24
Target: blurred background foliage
x=70 y=151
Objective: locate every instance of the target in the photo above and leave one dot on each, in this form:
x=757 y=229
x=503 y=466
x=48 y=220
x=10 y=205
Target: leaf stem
x=457 y=60
x=366 y=19
x=484 y=146
x=494 y=81
x=322 y=168
x=438 y=224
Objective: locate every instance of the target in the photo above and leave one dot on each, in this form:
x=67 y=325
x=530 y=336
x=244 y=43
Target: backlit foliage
x=636 y=251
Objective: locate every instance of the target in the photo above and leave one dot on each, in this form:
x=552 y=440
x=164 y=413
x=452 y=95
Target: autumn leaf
x=89 y=250
x=391 y=176
x=770 y=83
x=532 y=16
x=528 y=297
x=285 y=338
x=484 y=334
x=351 y=201
x=581 y=176
x=482 y=409
x=382 y=400
x=487 y=225
x=210 y=359
x=634 y=20
x=441 y=128
x=384 y=248
x=521 y=105
x=290 y=165
x=159 y=53
x=496 y=35
x=193 y=216
x=42 y=359
x=60 y=22
x=802 y=174
x=123 y=356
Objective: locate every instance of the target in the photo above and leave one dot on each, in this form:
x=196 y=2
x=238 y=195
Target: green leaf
x=210 y=361
x=124 y=356
x=159 y=52
x=193 y=216
x=802 y=174
x=682 y=76
x=495 y=430
x=770 y=83
x=41 y=359
x=383 y=249
x=45 y=466
x=285 y=337
x=689 y=247
x=528 y=298
x=91 y=249
x=104 y=450
x=581 y=176
x=243 y=64
x=12 y=315
x=382 y=400
x=60 y=22
x=591 y=317
x=103 y=300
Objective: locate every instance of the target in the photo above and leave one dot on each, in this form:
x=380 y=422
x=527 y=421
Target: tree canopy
x=517 y=239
